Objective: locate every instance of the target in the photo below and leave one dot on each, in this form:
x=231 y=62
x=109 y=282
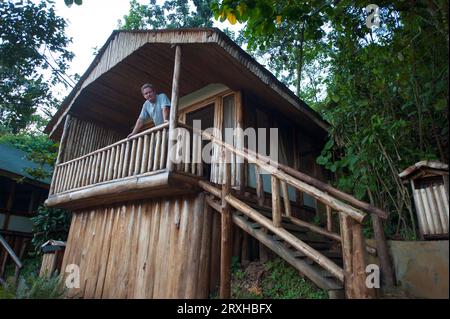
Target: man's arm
x=137 y=127
x=166 y=113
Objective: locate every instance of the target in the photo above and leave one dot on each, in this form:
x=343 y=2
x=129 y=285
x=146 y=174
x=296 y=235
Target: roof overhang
x=109 y=91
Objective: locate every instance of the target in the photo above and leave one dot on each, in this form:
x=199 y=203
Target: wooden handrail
x=355 y=213
x=325 y=187
x=315 y=255
x=11 y=252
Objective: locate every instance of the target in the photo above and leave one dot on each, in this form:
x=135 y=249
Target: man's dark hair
x=147 y=85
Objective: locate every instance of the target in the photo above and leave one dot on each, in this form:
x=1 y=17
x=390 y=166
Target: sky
x=89 y=26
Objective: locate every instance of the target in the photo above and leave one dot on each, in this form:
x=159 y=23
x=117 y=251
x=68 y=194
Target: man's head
x=149 y=93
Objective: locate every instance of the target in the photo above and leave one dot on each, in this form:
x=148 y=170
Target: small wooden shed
x=53 y=252
x=429 y=184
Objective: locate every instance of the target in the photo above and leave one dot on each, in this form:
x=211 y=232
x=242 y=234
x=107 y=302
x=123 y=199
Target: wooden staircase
x=334 y=261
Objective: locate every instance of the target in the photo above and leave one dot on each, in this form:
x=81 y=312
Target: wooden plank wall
x=85 y=137
x=165 y=248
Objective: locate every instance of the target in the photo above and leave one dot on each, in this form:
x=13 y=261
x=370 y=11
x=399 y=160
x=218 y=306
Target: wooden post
x=174 y=106
x=240 y=166
x=360 y=289
x=287 y=203
x=382 y=251
x=276 y=204
x=347 y=247
x=329 y=219
x=259 y=186
x=226 y=244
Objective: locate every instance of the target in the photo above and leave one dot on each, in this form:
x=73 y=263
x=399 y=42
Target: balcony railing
x=141 y=154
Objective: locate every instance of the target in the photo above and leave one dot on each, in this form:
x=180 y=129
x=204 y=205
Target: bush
x=34 y=287
x=50 y=223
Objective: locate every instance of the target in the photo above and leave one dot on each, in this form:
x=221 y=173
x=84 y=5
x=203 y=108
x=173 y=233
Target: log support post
x=226 y=234
x=387 y=271
x=174 y=109
x=353 y=253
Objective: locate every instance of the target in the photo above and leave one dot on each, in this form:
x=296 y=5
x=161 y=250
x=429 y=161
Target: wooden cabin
x=20 y=196
x=148 y=225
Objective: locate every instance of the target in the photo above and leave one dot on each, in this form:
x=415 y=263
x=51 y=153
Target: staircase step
x=305 y=265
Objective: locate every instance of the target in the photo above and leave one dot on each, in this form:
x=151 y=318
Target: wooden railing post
x=276 y=204
x=259 y=186
x=329 y=219
x=174 y=107
x=353 y=254
x=226 y=244
x=382 y=251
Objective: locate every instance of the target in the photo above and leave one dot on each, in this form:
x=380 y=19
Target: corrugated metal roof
x=15 y=161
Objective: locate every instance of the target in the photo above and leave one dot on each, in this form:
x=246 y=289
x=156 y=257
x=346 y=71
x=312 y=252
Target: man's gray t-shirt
x=154 y=110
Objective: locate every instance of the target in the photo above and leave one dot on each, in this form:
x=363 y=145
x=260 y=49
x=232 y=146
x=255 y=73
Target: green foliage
x=284 y=282
x=32 y=39
x=171 y=14
x=383 y=90
x=39 y=147
x=50 y=223
x=274 y=280
x=34 y=287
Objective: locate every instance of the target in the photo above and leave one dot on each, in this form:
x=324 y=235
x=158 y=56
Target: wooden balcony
x=131 y=169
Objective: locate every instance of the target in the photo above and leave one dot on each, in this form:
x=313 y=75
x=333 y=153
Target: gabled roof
x=109 y=91
x=15 y=161
x=434 y=167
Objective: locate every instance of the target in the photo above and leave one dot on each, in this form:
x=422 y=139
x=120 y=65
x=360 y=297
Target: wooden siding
x=164 y=248
x=85 y=137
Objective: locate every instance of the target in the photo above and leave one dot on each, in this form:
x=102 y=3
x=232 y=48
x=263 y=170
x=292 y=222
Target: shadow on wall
x=421 y=268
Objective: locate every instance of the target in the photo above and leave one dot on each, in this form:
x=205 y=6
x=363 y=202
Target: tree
x=171 y=14
x=32 y=39
x=386 y=88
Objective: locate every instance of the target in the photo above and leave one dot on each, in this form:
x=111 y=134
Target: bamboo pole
x=276 y=204
x=106 y=168
x=116 y=161
x=157 y=151
x=329 y=219
x=226 y=243
x=137 y=166
x=163 y=159
x=132 y=158
x=126 y=159
x=287 y=202
x=102 y=167
x=121 y=159
x=145 y=155
x=151 y=151
x=112 y=162
x=259 y=186
x=174 y=105
x=187 y=151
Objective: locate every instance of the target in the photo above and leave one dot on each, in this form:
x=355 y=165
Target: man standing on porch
x=156 y=107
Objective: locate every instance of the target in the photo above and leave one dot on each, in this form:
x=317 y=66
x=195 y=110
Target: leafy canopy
x=32 y=39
